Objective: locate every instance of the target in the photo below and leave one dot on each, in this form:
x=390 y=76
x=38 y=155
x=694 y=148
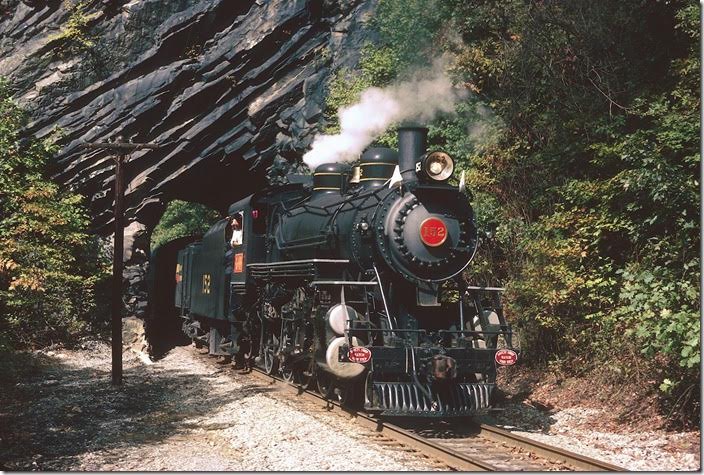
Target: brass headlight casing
x=437 y=166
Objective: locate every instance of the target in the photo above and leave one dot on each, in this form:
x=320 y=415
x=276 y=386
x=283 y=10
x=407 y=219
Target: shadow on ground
x=55 y=413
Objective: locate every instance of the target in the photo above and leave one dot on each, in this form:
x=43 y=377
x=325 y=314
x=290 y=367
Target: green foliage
x=182 y=218
x=581 y=148
x=410 y=29
x=74 y=37
x=50 y=268
x=665 y=309
x=377 y=68
x=594 y=173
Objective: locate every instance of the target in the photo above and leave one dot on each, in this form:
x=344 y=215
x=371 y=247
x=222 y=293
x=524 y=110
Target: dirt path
x=180 y=413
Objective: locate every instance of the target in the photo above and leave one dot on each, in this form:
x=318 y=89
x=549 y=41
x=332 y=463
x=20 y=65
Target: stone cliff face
x=223 y=86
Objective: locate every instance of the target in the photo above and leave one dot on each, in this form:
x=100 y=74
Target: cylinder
x=412 y=143
x=330 y=178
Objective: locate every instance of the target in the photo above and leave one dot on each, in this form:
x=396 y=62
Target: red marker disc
x=359 y=354
x=506 y=357
x=433 y=232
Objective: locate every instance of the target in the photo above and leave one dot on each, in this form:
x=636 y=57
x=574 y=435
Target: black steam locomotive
x=351 y=281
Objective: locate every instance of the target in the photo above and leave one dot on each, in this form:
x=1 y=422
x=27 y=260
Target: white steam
x=420 y=99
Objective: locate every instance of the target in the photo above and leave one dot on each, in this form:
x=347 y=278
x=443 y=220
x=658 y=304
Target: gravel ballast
x=186 y=412
x=576 y=429
x=181 y=413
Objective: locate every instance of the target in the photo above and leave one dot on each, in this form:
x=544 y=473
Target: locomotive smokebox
x=412 y=142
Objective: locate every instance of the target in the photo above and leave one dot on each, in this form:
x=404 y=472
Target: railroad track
x=514 y=451
x=462 y=445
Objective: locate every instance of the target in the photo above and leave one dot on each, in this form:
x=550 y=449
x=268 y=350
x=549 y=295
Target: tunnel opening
x=181 y=224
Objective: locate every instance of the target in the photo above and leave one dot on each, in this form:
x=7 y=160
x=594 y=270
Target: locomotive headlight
x=437 y=165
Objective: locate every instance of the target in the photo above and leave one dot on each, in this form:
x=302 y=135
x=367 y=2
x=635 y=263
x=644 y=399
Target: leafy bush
x=581 y=146
x=50 y=268
x=664 y=308
x=182 y=218
x=595 y=177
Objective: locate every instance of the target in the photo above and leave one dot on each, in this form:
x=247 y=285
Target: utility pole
x=122 y=150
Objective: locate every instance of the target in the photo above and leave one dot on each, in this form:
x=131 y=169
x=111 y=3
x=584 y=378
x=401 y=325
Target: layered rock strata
x=222 y=86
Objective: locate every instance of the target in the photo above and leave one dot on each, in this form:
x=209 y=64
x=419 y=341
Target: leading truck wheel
x=325 y=383
x=307 y=376
x=288 y=374
x=270 y=363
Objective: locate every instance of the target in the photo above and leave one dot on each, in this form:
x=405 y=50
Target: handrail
x=343 y=282
x=300 y=261
x=383 y=297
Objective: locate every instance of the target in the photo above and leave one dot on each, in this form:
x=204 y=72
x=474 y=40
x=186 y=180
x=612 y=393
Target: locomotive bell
x=356 y=175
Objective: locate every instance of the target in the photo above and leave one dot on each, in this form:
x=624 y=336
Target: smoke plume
x=420 y=99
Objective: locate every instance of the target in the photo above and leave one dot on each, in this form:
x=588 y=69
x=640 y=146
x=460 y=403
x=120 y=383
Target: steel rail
x=553 y=453
x=452 y=458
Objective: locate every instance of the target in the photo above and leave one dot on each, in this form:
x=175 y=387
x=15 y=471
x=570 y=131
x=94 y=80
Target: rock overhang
x=223 y=87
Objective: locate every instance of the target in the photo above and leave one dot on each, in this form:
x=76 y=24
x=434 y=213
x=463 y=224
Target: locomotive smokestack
x=412 y=142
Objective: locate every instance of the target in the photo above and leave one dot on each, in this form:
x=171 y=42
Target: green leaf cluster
x=51 y=269
x=74 y=38
x=580 y=141
x=377 y=67
x=180 y=219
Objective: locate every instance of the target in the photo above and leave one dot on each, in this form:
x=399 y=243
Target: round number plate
x=433 y=232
